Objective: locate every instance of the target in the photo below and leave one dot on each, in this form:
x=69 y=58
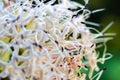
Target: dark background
x=111 y=13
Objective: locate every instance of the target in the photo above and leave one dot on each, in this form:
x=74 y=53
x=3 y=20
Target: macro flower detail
x=50 y=40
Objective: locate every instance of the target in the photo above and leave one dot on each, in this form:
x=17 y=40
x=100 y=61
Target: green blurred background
x=111 y=13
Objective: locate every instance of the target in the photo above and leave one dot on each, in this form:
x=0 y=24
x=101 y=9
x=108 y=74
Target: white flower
x=45 y=41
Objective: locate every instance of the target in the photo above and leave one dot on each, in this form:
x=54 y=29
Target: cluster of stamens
x=46 y=40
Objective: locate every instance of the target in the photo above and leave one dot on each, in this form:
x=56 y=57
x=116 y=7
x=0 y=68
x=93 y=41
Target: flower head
x=42 y=40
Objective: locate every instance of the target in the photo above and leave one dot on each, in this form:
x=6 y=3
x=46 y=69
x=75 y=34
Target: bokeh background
x=111 y=13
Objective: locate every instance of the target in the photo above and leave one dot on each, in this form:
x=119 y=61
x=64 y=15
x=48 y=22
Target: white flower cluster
x=49 y=40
